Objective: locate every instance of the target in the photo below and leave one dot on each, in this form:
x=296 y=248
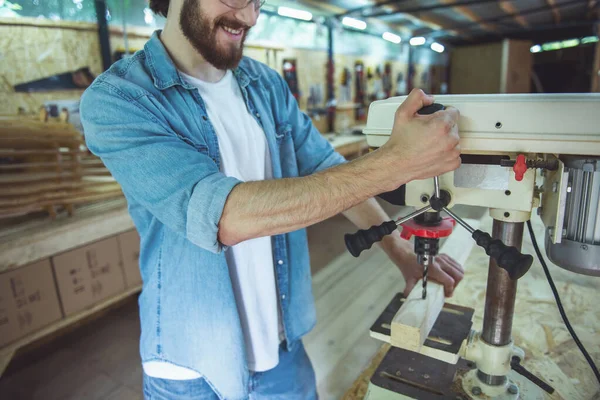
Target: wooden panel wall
x=518 y=64
x=502 y=67
x=31 y=52
x=476 y=69
x=32 y=49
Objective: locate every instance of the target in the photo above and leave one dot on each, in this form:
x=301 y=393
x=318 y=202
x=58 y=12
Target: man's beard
x=199 y=31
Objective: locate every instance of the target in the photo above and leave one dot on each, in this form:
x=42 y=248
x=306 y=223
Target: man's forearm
x=265 y=208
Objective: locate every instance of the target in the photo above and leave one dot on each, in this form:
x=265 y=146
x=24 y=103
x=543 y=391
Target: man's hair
x=160 y=7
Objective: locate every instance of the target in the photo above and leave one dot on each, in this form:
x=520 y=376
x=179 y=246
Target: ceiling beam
x=432 y=22
x=421 y=9
x=509 y=8
x=325 y=6
x=469 y=14
x=555 y=11
x=527 y=33
x=474 y=25
x=368 y=7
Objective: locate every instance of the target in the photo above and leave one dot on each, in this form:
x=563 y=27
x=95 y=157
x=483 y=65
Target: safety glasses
x=241 y=4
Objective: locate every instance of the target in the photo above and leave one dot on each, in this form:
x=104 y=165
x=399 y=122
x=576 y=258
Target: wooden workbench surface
x=550 y=352
x=38 y=238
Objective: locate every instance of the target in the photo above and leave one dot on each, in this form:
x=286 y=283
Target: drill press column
x=500 y=296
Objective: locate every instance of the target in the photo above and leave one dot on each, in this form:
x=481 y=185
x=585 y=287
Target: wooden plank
x=596 y=68
x=58 y=195
x=24 y=142
x=31 y=188
x=327 y=347
x=37 y=177
x=413 y=322
x=349 y=368
x=509 y=8
x=359 y=388
x=470 y=15
x=555 y=11
x=38 y=129
x=34 y=165
x=26 y=243
x=39 y=152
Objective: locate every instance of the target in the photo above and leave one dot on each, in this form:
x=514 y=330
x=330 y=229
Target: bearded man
x=222 y=172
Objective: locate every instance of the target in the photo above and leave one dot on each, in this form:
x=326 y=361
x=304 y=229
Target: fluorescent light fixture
x=570 y=43
x=390 y=37
x=589 y=39
x=536 y=48
x=560 y=45
x=354 y=23
x=417 y=41
x=438 y=48
x=293 y=13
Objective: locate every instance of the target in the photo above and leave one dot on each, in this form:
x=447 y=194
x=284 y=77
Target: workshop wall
x=501 y=67
x=46 y=48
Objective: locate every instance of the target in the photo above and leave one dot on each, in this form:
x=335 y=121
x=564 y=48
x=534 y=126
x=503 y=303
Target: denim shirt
x=151 y=130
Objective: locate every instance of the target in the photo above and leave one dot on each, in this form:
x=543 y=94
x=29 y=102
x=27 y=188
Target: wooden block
x=413 y=322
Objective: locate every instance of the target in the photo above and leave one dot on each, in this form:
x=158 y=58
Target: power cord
x=559 y=304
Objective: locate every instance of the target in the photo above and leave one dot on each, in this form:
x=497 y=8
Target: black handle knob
x=365 y=238
x=507 y=257
x=430 y=109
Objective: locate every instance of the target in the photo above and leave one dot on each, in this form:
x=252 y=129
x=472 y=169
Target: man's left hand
x=445 y=270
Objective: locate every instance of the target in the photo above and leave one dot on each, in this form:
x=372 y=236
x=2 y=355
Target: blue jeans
x=292 y=379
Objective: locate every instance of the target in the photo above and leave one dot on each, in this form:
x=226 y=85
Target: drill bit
x=425 y=271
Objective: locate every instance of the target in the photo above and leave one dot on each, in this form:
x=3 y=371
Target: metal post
x=500 y=296
x=103 y=33
x=125 y=38
x=330 y=78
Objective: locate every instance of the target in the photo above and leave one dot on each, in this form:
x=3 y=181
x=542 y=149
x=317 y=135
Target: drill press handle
x=362 y=240
x=508 y=258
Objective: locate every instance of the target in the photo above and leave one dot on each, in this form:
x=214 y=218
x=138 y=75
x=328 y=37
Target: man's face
x=217 y=31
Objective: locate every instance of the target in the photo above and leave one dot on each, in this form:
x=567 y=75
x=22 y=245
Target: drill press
x=506 y=140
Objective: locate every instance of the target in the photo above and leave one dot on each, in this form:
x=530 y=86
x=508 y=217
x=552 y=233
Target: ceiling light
x=417 y=41
x=560 y=45
x=293 y=13
x=589 y=39
x=439 y=48
x=390 y=37
x=536 y=48
x=354 y=23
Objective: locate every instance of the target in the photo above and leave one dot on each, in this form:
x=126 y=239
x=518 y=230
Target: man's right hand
x=423 y=146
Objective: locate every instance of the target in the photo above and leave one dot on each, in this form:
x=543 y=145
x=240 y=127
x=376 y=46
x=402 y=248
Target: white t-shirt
x=244 y=155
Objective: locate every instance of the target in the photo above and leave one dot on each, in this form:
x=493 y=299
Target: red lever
x=520 y=167
x=444 y=229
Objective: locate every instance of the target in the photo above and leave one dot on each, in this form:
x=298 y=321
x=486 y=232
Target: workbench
x=36 y=239
x=349 y=146
x=538 y=329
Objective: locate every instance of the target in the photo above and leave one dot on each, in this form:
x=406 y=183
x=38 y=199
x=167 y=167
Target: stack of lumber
x=45 y=166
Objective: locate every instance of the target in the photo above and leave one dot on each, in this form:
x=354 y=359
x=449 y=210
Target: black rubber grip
x=508 y=258
x=362 y=240
x=430 y=109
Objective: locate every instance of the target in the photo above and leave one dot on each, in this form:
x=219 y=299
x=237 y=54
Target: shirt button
x=257 y=115
x=204 y=117
x=283 y=297
x=280 y=262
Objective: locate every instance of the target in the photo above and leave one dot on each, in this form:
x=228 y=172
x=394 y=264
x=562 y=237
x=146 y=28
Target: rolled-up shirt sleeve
x=178 y=183
x=313 y=151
